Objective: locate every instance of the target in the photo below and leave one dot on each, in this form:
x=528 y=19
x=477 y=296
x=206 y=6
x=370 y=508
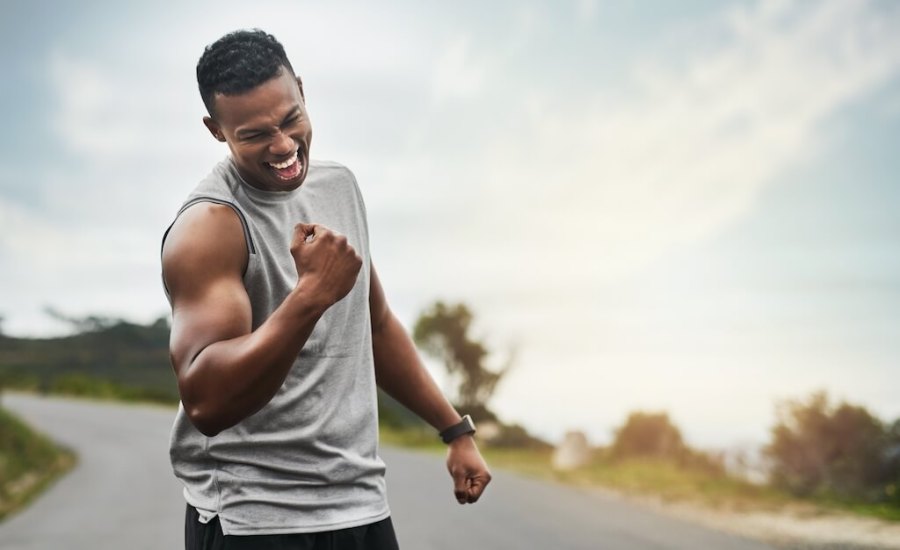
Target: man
x=281 y=330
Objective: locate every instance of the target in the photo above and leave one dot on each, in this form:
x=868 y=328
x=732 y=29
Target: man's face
x=268 y=132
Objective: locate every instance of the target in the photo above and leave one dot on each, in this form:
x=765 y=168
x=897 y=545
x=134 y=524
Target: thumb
x=306 y=230
x=476 y=487
x=460 y=487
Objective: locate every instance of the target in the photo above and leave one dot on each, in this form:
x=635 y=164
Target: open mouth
x=288 y=169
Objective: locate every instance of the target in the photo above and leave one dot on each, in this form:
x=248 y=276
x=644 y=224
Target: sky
x=687 y=207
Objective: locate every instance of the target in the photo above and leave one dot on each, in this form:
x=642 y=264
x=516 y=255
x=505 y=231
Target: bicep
x=223 y=312
x=203 y=261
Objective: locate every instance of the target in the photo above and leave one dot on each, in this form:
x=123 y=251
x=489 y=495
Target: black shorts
x=208 y=536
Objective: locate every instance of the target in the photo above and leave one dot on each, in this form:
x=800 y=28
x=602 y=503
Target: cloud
x=104 y=113
x=459 y=72
x=618 y=179
x=534 y=193
x=78 y=267
x=88 y=238
x=128 y=145
x=586 y=10
x=89 y=119
x=564 y=198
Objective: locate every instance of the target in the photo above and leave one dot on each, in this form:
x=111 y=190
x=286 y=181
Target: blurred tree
x=648 y=435
x=89 y=323
x=443 y=331
x=892 y=464
x=517 y=437
x=1 y=337
x=820 y=448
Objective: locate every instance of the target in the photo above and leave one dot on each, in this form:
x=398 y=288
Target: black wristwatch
x=466 y=426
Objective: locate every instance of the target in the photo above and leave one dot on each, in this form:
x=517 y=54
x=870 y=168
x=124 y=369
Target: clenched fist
x=469 y=471
x=325 y=261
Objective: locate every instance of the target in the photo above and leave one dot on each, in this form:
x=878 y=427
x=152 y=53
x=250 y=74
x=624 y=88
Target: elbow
x=202 y=412
x=202 y=419
x=207 y=414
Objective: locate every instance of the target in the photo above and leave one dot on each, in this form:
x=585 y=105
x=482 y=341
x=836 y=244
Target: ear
x=300 y=85
x=214 y=128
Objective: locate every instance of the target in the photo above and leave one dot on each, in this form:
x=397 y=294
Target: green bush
x=647 y=435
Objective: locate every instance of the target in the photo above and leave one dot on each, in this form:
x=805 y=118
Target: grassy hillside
x=105 y=359
x=28 y=463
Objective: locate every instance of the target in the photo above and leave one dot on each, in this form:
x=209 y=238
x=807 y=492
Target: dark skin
x=226 y=371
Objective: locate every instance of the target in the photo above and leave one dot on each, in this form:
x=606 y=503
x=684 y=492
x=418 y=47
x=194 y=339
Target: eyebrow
x=243 y=132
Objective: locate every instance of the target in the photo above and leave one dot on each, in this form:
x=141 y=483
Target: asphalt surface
x=122 y=495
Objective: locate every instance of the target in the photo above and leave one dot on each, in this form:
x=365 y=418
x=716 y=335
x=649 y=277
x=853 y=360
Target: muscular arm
x=399 y=372
x=225 y=371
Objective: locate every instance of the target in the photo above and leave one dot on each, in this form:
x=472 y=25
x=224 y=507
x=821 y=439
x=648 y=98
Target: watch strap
x=465 y=426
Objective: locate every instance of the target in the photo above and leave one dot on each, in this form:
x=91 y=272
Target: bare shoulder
x=203 y=260
x=205 y=243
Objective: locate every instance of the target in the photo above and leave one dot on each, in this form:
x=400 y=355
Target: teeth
x=284 y=164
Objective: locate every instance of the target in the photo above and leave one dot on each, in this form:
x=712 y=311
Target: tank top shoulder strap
x=203 y=198
x=195 y=200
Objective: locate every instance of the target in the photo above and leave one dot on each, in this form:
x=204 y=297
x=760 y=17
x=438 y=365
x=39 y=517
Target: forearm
x=231 y=379
x=399 y=372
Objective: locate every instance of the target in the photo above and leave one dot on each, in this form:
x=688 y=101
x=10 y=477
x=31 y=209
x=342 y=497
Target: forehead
x=266 y=104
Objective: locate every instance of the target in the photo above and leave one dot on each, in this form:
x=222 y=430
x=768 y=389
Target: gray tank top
x=308 y=460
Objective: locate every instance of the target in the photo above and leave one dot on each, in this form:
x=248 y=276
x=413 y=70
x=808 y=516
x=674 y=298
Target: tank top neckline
x=260 y=195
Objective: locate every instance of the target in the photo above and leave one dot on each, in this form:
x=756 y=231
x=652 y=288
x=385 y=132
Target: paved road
x=122 y=495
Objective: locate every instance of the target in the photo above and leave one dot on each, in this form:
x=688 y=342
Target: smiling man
x=281 y=331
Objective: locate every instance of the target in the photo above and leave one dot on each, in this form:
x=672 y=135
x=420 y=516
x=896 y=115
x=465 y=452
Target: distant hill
x=115 y=359
x=116 y=354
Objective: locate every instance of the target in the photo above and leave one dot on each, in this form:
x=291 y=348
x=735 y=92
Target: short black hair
x=237 y=63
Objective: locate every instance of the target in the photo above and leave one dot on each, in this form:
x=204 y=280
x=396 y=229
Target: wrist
x=466 y=427
x=463 y=441
x=310 y=300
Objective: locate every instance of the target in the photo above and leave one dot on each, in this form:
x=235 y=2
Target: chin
x=290 y=184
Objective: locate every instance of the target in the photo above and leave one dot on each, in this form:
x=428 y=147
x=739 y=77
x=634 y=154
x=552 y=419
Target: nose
x=281 y=145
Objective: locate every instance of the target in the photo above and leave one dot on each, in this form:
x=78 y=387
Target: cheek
x=247 y=154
